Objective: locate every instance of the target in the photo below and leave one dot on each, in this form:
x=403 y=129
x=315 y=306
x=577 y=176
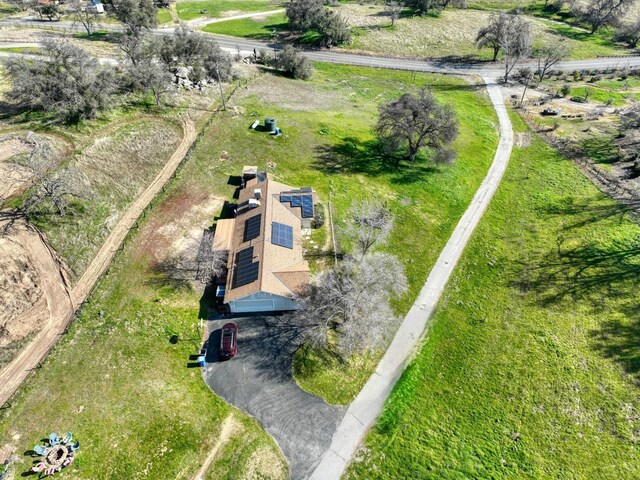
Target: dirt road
x=62 y=302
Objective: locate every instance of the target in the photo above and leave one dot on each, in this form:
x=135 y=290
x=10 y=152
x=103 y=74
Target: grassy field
x=328 y=143
x=125 y=391
x=164 y=16
x=119 y=403
x=531 y=366
x=260 y=28
x=453 y=34
x=222 y=8
x=31 y=50
x=450 y=35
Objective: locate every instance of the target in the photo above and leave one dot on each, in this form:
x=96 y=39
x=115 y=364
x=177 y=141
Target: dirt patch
x=12 y=146
x=229 y=427
x=296 y=96
x=14 y=177
x=181 y=231
x=20 y=288
x=522 y=139
x=263 y=464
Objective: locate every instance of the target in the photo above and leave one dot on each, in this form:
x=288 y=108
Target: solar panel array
x=246 y=270
x=282 y=235
x=307 y=206
x=296 y=199
x=252 y=227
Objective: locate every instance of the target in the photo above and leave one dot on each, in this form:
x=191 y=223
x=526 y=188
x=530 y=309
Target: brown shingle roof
x=281 y=271
x=223 y=235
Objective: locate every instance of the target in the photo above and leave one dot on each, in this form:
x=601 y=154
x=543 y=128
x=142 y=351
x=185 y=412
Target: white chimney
x=257 y=193
x=253 y=203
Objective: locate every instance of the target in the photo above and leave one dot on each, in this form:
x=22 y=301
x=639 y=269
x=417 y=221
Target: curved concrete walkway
x=363 y=412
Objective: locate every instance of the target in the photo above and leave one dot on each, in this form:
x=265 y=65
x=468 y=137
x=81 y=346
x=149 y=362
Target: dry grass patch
x=453 y=33
x=108 y=175
x=296 y=96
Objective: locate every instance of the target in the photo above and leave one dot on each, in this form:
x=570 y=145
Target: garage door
x=253 y=306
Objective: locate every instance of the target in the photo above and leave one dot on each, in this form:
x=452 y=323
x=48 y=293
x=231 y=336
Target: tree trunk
x=496 y=50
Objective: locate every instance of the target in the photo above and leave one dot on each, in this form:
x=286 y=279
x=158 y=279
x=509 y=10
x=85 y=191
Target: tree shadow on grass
x=595 y=275
x=353 y=156
x=581 y=212
x=601 y=149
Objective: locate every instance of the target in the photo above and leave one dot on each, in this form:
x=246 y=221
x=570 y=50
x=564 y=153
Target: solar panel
x=246 y=270
x=296 y=200
x=252 y=227
x=307 y=206
x=282 y=235
x=285 y=198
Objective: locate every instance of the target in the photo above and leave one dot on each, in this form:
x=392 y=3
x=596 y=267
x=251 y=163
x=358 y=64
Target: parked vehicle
x=228 y=341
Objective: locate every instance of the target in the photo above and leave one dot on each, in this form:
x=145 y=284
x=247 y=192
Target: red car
x=229 y=340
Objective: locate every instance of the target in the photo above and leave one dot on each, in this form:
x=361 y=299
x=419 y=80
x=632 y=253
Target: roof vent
x=257 y=193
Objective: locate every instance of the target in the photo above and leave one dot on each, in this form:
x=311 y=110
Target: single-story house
x=266 y=268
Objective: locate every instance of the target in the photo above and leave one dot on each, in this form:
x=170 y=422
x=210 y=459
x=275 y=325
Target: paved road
x=362 y=413
x=258 y=380
x=342 y=57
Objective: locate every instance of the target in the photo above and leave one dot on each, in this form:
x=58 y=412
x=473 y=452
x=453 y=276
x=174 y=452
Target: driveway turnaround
x=363 y=412
x=258 y=380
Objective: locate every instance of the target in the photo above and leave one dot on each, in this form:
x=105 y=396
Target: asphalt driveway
x=258 y=380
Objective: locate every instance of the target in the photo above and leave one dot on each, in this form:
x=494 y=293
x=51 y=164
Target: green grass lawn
x=164 y=16
x=602 y=95
x=125 y=391
x=222 y=8
x=328 y=144
x=29 y=50
x=116 y=380
x=260 y=28
x=531 y=366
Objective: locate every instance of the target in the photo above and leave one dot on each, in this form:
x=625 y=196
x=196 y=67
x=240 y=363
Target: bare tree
x=515 y=41
x=212 y=265
x=369 y=224
x=135 y=48
x=629 y=33
x=392 y=9
x=549 y=54
x=150 y=77
x=49 y=10
x=351 y=301
x=416 y=121
x=602 y=13
x=48 y=185
x=491 y=35
x=85 y=16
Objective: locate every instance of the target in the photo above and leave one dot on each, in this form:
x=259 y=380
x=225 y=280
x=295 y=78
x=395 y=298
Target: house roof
x=223 y=235
x=280 y=270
